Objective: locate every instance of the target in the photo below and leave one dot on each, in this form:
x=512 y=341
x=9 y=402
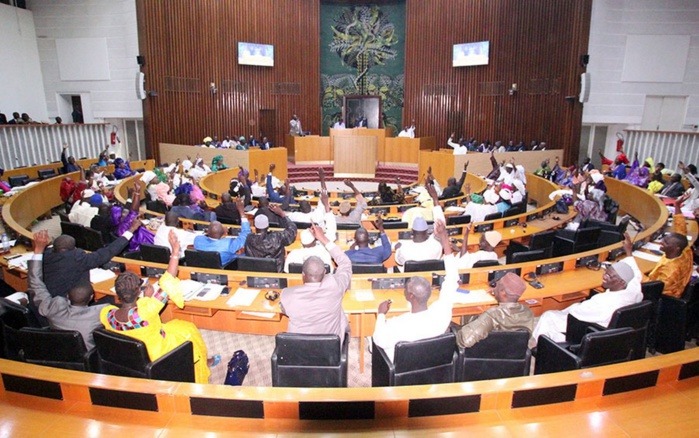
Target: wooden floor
x=665 y=410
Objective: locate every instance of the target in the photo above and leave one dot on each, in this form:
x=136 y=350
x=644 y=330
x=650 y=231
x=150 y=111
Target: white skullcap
x=306 y=237
x=87 y=193
x=186 y=164
x=624 y=271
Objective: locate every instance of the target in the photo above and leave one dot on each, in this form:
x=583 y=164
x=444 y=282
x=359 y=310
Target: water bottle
x=5 y=243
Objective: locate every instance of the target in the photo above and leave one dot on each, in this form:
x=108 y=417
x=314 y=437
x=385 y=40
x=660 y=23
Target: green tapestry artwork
x=362 y=52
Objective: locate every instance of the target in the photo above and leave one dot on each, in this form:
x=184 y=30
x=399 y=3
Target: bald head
x=215 y=230
x=313 y=270
x=418 y=291
x=226 y=198
x=63 y=243
x=172 y=219
x=81 y=295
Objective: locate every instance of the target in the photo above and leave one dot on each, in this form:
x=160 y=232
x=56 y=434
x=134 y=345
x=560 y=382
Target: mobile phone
x=226 y=290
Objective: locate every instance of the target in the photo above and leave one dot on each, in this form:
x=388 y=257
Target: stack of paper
x=20 y=262
x=98 y=274
x=243 y=297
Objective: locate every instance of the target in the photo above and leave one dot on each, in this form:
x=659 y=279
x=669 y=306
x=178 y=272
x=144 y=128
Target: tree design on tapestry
x=363 y=37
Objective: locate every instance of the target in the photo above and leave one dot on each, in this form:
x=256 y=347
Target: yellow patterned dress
x=145 y=325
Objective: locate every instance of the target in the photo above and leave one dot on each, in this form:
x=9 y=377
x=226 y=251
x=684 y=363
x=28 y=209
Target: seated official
x=362 y=253
x=422 y=246
x=139 y=318
x=309 y=248
x=421 y=322
x=509 y=315
x=315 y=307
x=122 y=169
x=172 y=222
x=623 y=287
x=674 y=187
x=271 y=244
x=66 y=266
x=71 y=313
x=215 y=239
x=676 y=265
x=486 y=248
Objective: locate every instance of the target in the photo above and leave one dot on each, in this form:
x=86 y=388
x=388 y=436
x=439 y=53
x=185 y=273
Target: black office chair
x=297 y=268
x=76 y=231
x=423 y=266
x=597 y=348
x=528 y=256
x=46 y=173
x=426 y=361
x=515 y=209
x=542 y=240
x=309 y=361
x=302 y=225
x=14 y=317
x=120 y=355
x=569 y=242
x=156 y=206
x=341 y=226
x=257 y=264
x=395 y=225
x=653 y=291
x=635 y=316
x=368 y=268
x=502 y=354
x=206 y=259
x=155 y=253
x=18 y=180
x=677 y=320
x=492 y=216
x=56 y=348
x=459 y=220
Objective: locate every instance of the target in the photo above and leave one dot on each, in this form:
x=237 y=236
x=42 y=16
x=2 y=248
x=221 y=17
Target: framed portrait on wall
x=362 y=111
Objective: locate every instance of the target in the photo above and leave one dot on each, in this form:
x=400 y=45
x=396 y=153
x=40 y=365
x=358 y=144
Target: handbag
x=238 y=368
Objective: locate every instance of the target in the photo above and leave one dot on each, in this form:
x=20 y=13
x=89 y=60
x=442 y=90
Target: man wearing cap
x=84 y=210
x=349 y=215
x=623 y=287
x=309 y=249
x=422 y=246
x=486 y=248
x=509 y=315
x=214 y=239
x=315 y=307
x=270 y=244
x=422 y=321
x=362 y=253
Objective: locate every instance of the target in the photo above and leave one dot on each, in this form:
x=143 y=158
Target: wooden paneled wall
x=536 y=44
x=189 y=44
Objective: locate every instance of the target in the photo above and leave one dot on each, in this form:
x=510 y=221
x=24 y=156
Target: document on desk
x=20 y=262
x=474 y=296
x=98 y=274
x=364 y=295
x=195 y=290
x=651 y=246
x=243 y=297
x=646 y=256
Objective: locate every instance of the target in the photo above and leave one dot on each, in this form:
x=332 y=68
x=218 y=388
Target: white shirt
x=300 y=255
x=82 y=213
x=467 y=260
x=185 y=237
x=339 y=125
x=420 y=325
x=458 y=149
x=404 y=133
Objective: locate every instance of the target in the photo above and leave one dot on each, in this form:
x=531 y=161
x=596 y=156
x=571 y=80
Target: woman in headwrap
x=640 y=175
x=122 y=169
x=217 y=163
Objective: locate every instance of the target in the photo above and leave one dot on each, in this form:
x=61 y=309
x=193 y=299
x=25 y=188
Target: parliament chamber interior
x=344 y=217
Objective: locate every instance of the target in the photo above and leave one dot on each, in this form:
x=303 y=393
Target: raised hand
x=41 y=241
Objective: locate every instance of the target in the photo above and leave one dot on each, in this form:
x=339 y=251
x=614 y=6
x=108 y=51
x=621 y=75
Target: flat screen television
x=469 y=54
x=255 y=54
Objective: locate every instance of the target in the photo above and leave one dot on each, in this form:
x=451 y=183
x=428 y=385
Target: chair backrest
x=203 y=259
x=635 y=316
x=18 y=180
x=586 y=238
x=76 y=231
x=485 y=263
x=606 y=347
x=501 y=354
x=121 y=355
x=341 y=226
x=155 y=253
x=257 y=264
x=54 y=348
x=652 y=290
x=492 y=216
x=395 y=225
x=46 y=173
x=607 y=237
x=423 y=266
x=93 y=239
x=515 y=209
x=528 y=256
x=459 y=220
x=157 y=206
x=13 y=318
x=542 y=240
x=425 y=361
x=304 y=360
x=297 y=268
x=368 y=268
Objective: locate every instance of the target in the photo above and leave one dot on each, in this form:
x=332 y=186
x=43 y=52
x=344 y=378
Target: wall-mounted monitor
x=255 y=54
x=469 y=54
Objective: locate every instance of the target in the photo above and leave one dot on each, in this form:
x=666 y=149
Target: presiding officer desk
x=44 y=393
